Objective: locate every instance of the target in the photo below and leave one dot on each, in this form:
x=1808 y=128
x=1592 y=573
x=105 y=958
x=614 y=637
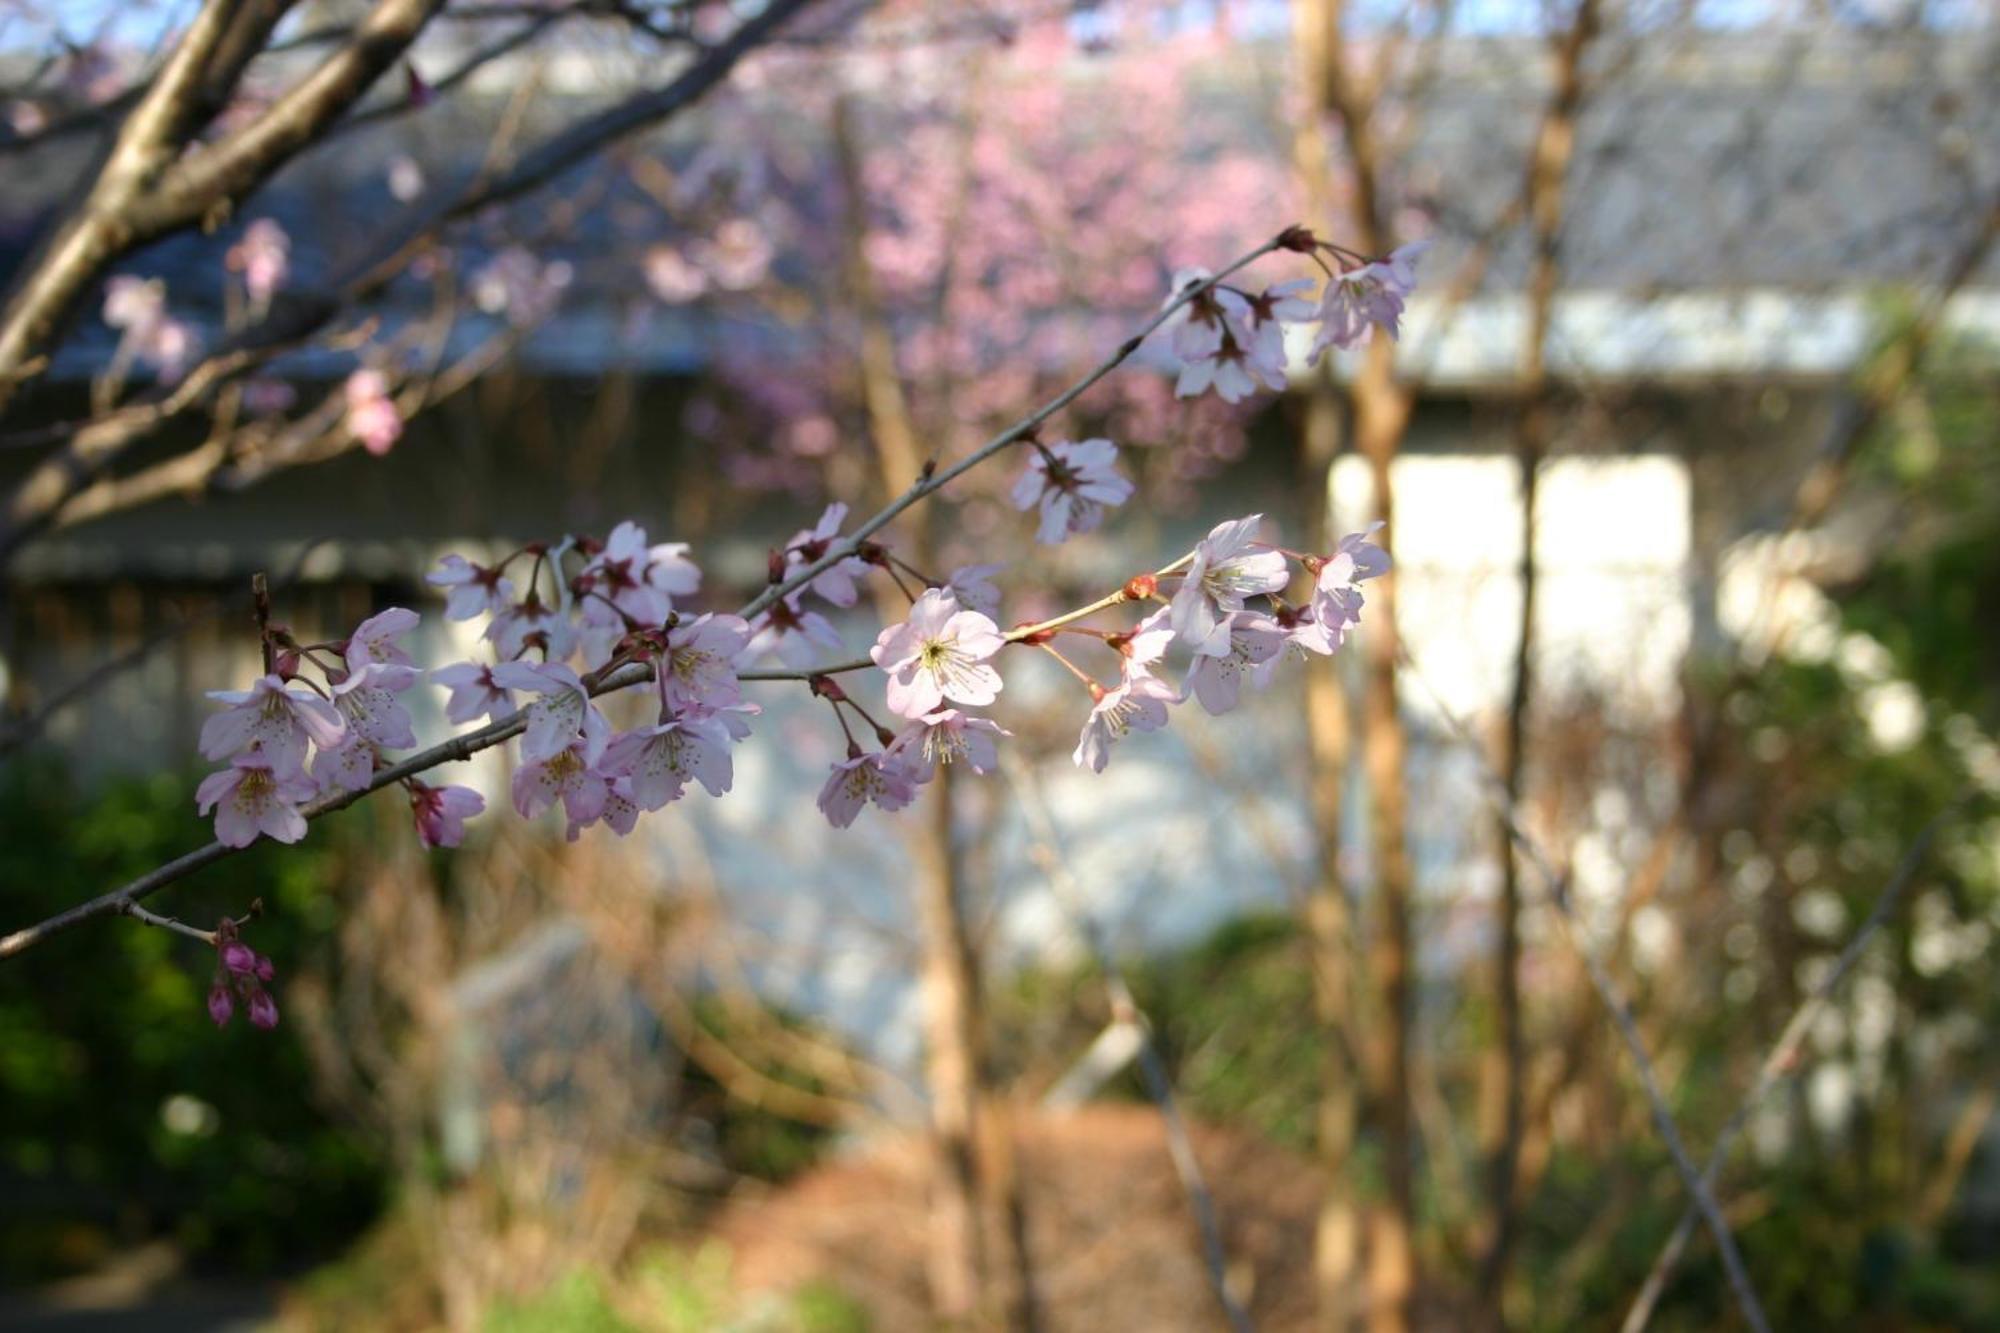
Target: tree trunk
x=1381 y=413
x=979 y=1269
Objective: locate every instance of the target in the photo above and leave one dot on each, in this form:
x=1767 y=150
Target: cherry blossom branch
x=931 y=479
x=1046 y=849
x=1134 y=591
x=462 y=748
x=1615 y=1003
x=146 y=918
x=1782 y=1061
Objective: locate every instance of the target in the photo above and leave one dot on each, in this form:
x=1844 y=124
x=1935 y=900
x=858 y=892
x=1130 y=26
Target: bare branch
x=1612 y=996
x=1047 y=852
x=97 y=444
x=1782 y=1062
x=206 y=63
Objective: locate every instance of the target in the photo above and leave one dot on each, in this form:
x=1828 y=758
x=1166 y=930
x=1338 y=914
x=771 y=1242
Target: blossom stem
x=1074 y=669
x=901 y=586
x=1105 y=603
x=841 y=718
x=146 y=918
x=912 y=570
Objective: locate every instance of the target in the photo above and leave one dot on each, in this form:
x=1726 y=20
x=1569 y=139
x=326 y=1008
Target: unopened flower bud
x=239 y=958
x=1140 y=587
x=263 y=1010
x=1299 y=239
x=221 y=1006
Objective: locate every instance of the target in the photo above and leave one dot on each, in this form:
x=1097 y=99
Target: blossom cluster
x=1231 y=340
x=568 y=623
x=240 y=977
x=315 y=725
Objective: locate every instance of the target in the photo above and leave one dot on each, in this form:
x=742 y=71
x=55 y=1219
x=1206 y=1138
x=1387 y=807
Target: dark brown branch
x=98 y=444
x=206 y=63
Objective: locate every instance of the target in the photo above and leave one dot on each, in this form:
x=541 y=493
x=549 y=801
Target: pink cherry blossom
x=1139 y=703
x=134 y=303
x=251 y=797
x=405 y=178
x=375 y=639
x=563 y=716
x=939 y=653
x=620 y=813
x=368 y=706
x=698 y=669
x=1229 y=565
x=790 y=631
x=1358 y=302
x=348 y=766
x=474 y=589
x=275 y=717
x=1073 y=482
x=639 y=579
x=516 y=284
x=567 y=775
x=263 y=1010
x=889 y=780
x=1227 y=370
x=1198 y=328
x=739 y=256
x=949 y=736
x=837 y=582
x=1146 y=646
x=1336 y=597
x=238 y=957
x=441 y=812
x=660 y=760
x=138 y=308
x=530 y=624
x=372 y=417
x=263 y=257
x=672 y=278
x=474 y=692
x=1216 y=679
x=973 y=586
x=1304 y=637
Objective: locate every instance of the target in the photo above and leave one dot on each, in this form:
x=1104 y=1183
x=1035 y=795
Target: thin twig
x=1620 y=1009
x=932 y=481
x=1047 y=851
x=1782 y=1061
x=23 y=730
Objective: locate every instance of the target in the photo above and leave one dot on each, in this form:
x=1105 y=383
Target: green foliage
x=124 y=1113
x=671 y=1290
x=749 y=1140
x=1230 y=1016
x=576 y=1304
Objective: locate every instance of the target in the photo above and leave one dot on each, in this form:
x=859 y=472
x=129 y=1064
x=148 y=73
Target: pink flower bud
x=263 y=1010
x=221 y=1008
x=239 y=958
x=264 y=969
